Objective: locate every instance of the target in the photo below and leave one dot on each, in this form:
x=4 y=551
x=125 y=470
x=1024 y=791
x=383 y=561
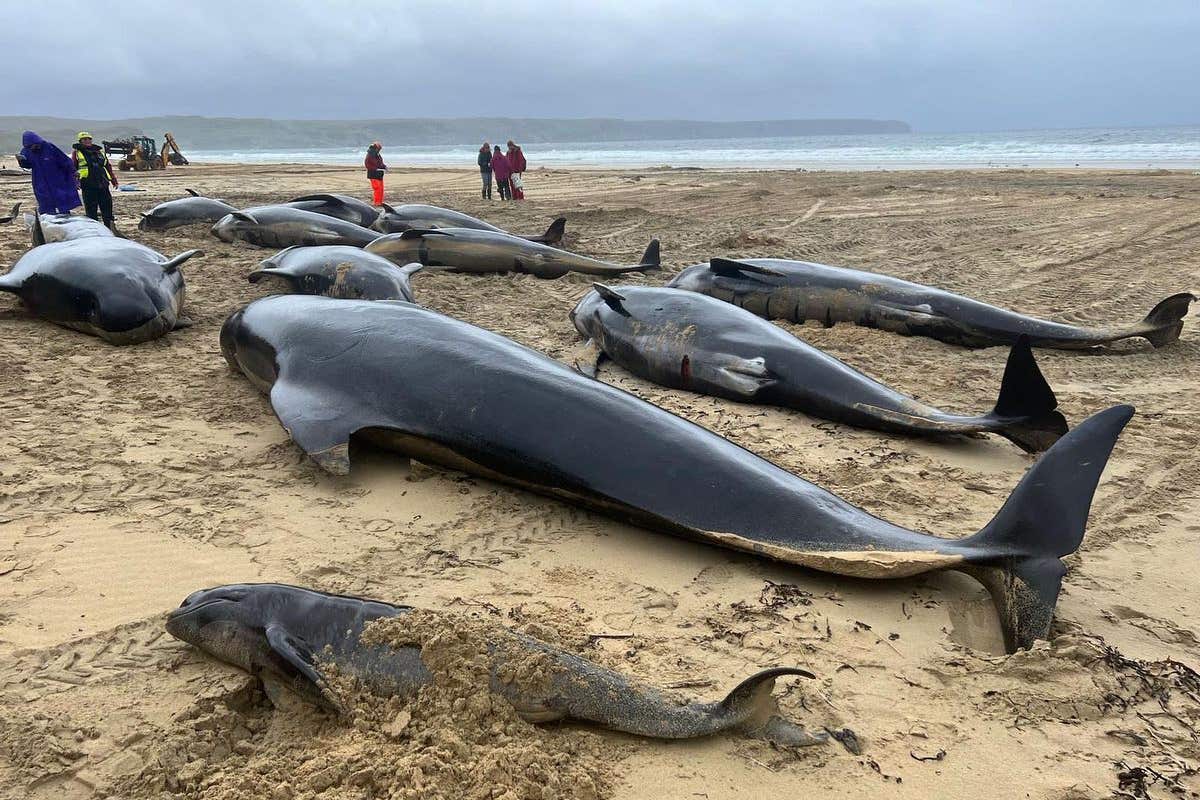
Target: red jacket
x=374 y=163
x=516 y=159
x=501 y=167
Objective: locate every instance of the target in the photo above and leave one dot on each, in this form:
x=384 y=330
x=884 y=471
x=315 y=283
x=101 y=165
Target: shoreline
x=715 y=168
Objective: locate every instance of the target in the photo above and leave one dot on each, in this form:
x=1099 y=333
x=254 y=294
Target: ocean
x=1095 y=148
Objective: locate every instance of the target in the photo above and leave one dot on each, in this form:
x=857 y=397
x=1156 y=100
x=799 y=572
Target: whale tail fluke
x=1017 y=555
x=1027 y=399
x=553 y=235
x=1164 y=323
x=651 y=259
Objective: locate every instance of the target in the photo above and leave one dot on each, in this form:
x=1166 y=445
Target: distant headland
x=227 y=133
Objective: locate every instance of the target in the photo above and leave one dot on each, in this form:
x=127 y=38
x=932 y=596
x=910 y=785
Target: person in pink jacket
x=502 y=170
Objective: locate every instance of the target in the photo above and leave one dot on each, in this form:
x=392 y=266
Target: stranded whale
x=449 y=393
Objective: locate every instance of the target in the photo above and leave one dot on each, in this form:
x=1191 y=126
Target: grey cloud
x=939 y=64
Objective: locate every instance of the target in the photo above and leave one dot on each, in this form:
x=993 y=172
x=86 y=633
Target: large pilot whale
x=774 y=288
x=449 y=393
x=191 y=210
x=397 y=219
x=476 y=251
x=689 y=341
x=290 y=637
x=338 y=270
x=118 y=290
x=284 y=226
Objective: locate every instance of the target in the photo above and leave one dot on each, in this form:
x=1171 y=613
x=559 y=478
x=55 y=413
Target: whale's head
x=583 y=315
x=229 y=226
x=152 y=220
x=697 y=278
x=226 y=622
x=247 y=352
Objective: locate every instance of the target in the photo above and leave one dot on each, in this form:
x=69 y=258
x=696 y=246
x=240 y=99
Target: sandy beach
x=130 y=477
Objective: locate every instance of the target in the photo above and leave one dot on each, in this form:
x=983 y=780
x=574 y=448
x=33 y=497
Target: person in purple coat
x=502 y=169
x=54 y=183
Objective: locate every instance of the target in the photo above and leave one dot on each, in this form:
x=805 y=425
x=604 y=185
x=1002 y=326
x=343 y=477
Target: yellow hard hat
x=83 y=135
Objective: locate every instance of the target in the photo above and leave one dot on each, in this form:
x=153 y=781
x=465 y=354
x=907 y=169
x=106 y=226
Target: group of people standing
x=59 y=178
x=508 y=169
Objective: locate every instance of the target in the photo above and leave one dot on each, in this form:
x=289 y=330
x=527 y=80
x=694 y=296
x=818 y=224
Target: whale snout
x=224 y=229
x=229 y=331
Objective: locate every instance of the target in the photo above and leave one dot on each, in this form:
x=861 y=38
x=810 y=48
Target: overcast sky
x=941 y=65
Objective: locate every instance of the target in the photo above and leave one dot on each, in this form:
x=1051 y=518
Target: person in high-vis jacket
x=95 y=173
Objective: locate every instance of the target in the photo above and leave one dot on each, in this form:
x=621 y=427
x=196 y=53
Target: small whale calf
x=448 y=393
x=290 y=637
x=480 y=252
x=284 y=226
x=193 y=210
x=775 y=288
x=411 y=216
x=349 y=273
x=118 y=290
x=686 y=340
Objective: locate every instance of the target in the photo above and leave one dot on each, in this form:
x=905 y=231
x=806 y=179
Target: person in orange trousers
x=375 y=169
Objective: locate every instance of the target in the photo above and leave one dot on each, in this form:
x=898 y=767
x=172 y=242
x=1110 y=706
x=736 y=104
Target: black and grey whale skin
x=194 y=209
x=283 y=226
x=118 y=290
x=397 y=219
x=775 y=288
x=481 y=252
x=341 y=271
x=338 y=206
x=448 y=393
x=289 y=636
x=686 y=340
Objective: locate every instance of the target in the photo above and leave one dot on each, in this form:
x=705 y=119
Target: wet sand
x=131 y=476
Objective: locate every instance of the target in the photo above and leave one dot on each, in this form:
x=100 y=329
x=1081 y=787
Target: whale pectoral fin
x=315 y=423
x=744 y=376
x=295 y=659
x=587 y=358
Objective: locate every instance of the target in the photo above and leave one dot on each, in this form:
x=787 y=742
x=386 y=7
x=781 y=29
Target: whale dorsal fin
x=295 y=658
x=193 y=192
x=731 y=269
x=417 y=233
x=388 y=208
x=327 y=198
x=612 y=297
x=244 y=217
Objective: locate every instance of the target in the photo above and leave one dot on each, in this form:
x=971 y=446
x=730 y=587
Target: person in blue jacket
x=54 y=182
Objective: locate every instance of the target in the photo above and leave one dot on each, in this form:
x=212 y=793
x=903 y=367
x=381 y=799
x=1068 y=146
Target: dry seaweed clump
x=454 y=739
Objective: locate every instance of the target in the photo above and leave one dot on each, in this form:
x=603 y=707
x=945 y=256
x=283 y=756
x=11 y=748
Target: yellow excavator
x=140 y=153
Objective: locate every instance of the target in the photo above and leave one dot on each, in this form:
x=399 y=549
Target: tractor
x=140 y=153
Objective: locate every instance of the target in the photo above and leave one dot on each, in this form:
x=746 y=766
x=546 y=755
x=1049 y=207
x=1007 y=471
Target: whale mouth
x=183 y=611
